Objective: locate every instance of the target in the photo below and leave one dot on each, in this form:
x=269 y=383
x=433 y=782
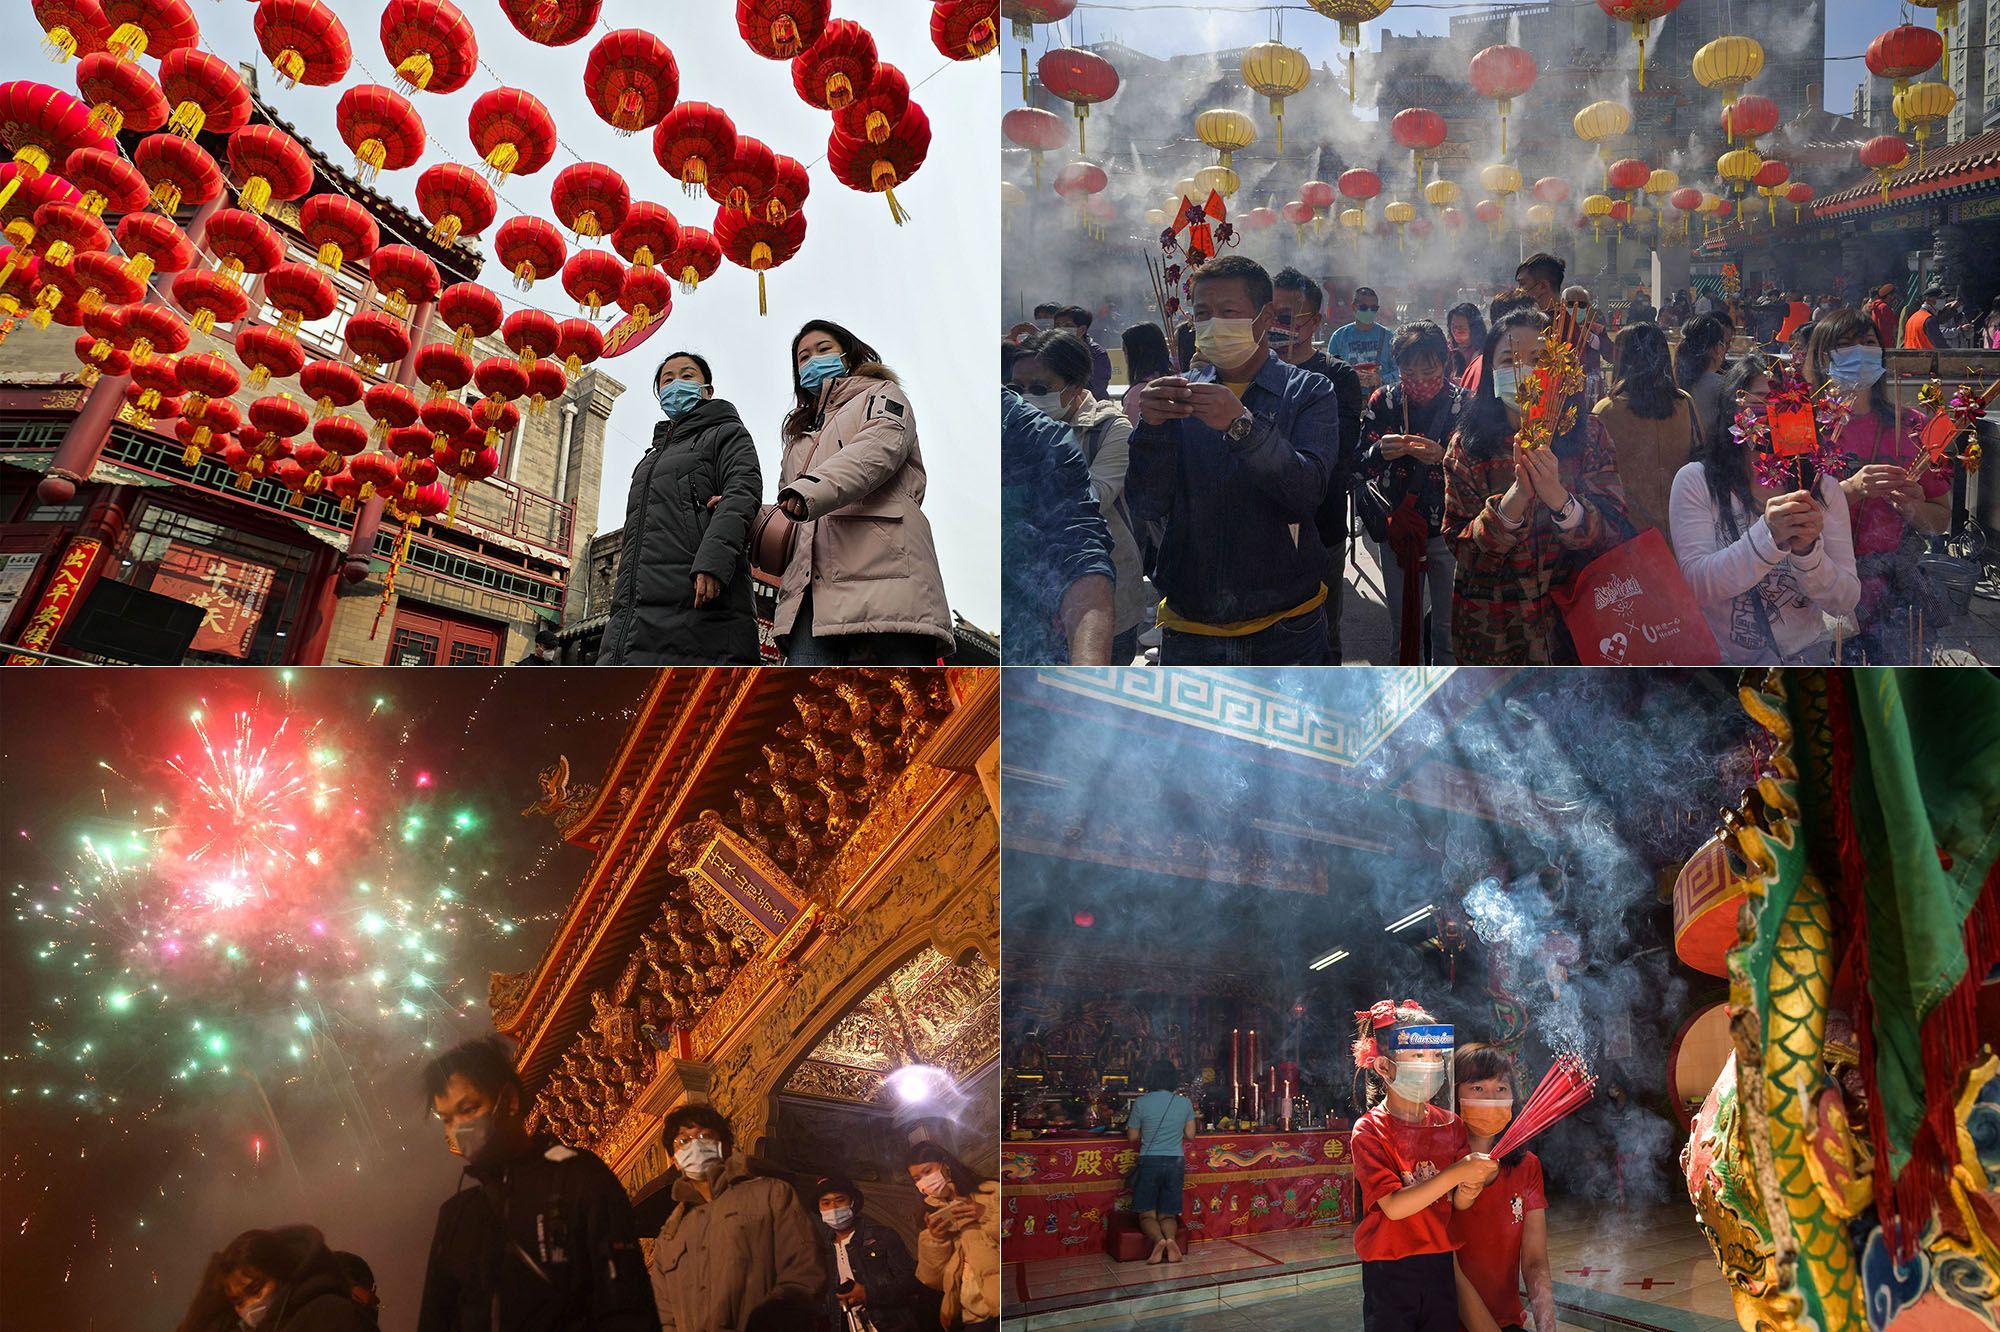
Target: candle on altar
x=1285 y=1106
x=1235 y=1072
x=1256 y=1098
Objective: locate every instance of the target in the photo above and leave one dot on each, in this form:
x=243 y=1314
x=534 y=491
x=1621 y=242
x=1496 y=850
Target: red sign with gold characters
x=58 y=597
x=1060 y=1193
x=230 y=592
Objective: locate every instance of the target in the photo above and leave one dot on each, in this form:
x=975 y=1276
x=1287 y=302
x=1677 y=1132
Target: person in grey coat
x=682 y=594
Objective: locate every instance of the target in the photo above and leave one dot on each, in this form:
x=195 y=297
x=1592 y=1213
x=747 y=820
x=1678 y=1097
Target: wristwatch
x=1239 y=430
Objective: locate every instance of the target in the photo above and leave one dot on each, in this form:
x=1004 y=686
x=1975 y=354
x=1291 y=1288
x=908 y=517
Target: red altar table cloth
x=1060 y=1192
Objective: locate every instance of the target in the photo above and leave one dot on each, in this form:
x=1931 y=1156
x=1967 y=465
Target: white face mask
x=1049 y=404
x=1227 y=343
x=699 y=1158
x=1506 y=382
x=253 y=1314
x=933 y=1183
x=837 y=1218
x=1417 y=1081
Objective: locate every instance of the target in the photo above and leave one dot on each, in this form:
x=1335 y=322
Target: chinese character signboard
x=231 y=593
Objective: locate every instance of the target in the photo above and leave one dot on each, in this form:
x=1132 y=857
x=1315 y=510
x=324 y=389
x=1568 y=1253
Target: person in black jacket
x=871 y=1267
x=283 y=1280
x=1055 y=547
x=547 y=644
x=544 y=1241
x=682 y=595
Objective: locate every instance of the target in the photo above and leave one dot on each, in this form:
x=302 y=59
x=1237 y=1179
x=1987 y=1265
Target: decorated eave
x=1968 y=167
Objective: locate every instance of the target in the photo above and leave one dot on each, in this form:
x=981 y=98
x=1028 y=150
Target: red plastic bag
x=1631 y=607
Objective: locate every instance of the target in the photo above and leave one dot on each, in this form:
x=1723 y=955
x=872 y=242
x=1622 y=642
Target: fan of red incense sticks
x=1565 y=1087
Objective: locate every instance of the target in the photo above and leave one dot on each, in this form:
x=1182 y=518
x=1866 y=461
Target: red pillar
x=315 y=623
x=368 y=521
x=83 y=560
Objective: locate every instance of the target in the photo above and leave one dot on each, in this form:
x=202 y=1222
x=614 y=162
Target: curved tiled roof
x=1948 y=169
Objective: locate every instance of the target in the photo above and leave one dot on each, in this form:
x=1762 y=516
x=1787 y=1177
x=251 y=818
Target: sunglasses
x=1037 y=390
x=1370 y=308
x=1576 y=305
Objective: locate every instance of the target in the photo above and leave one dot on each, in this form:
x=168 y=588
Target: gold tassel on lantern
x=61 y=43
x=501 y=162
x=883 y=178
x=128 y=42
x=187 y=120
x=839 y=92
x=166 y=197
x=689 y=279
x=140 y=266
x=369 y=158
x=878 y=127
x=447 y=228
x=415 y=72
x=329 y=257
x=106 y=117
x=203 y=321
x=255 y=194
x=291 y=67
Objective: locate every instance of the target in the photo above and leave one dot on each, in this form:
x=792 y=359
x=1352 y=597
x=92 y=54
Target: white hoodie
x=1795 y=589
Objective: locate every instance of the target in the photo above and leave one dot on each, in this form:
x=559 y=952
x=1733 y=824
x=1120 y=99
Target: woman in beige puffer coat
x=958 y=1249
x=863 y=585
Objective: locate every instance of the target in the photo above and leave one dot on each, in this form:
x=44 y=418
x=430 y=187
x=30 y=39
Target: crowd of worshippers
x=1222 y=507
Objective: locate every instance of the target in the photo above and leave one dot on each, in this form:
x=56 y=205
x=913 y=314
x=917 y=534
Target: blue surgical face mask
x=678 y=397
x=1506 y=381
x=827 y=365
x=1365 y=318
x=1857 y=367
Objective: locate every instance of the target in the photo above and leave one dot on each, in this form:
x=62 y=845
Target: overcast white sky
x=925 y=294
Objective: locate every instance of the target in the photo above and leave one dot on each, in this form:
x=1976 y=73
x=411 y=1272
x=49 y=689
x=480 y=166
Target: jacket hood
x=708 y=412
x=1095 y=411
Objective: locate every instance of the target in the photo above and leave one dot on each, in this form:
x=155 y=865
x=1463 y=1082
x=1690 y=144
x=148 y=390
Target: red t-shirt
x=1488 y=1235
x=1390 y=1154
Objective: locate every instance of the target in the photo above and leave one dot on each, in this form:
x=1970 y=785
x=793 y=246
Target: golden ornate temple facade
x=793 y=897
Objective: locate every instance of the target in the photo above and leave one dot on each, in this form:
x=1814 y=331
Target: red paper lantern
x=788 y=191
x=836 y=68
x=267 y=355
x=695 y=259
x=431 y=44
x=207 y=430
x=19 y=214
x=375 y=339
x=1902 y=53
x=649 y=233
x=345 y=487
x=1638 y=13
x=279 y=416
x=752 y=243
x=40 y=125
x=512 y=132
x=1502 y=73
x=110 y=184
x=631 y=79
x=304 y=40
x=210 y=298
x=874 y=112
x=590 y=199
x=880 y=167
x=392 y=406
x=529 y=248
x=71 y=27
x=1687 y=198
x=1550 y=189
x=505 y=418
x=580 y=342
x=331 y=385
x=1885 y=155
x=66 y=229
x=781 y=29
x=445 y=418
x=381 y=128
x=1418 y=129
x=89 y=280
x=546 y=383
x=1024 y=14
x=339 y=229
x=1358 y=183
x=1080 y=178
x=341 y=436
x=1771 y=175
x=747 y=179
x=443 y=368
x=243 y=241
x=19 y=277
x=153 y=244
x=149 y=27
x=122 y=95
x=965 y=29
x=647 y=295
x=593 y=279
x=470 y=311
x=501 y=378
x=692 y=140
x=266 y=163
x=1079 y=78
x=1749 y=116
x=156 y=381
x=455 y=200
x=372 y=472
x=405 y=275
x=1027 y=127
x=206 y=91
x=1627 y=173
x=530 y=334
x=95 y=366
x=166 y=409
x=178 y=170
x=1260 y=219
x=552 y=22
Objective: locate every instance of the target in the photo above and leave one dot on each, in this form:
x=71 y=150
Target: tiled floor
x=1650 y=1273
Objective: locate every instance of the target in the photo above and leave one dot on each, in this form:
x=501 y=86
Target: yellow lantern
x=1502 y=178
x=1401 y=213
x=1355 y=221
x=1350 y=15
x=1658 y=186
x=1924 y=105
x=1276 y=71
x=1220 y=179
x=1541 y=218
x=1225 y=131
x=1186 y=189
x=1011 y=197
x=1728 y=63
x=1738 y=165
x=1597 y=207
x=1441 y=193
x=1159 y=218
x=1947 y=19
x=1599 y=123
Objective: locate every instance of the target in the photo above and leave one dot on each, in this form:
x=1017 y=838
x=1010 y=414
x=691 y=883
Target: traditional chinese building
x=792 y=912
x=105 y=533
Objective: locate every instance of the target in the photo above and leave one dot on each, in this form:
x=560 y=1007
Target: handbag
x=1632 y=607
x=774 y=537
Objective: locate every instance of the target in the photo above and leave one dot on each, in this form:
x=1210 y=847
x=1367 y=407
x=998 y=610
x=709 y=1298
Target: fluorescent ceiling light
x=1326 y=960
x=1421 y=914
x=1306 y=834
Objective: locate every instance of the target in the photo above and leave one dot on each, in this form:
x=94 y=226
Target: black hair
x=1064 y=353
x=1700 y=336
x=859 y=355
x=1159 y=1076
x=697 y=1114
x=1076 y=314
x=1419 y=340
x=286 y=1255
x=1542 y=265
x=355 y=1268
x=1359 y=292
x=1249 y=272
x=1145 y=353
x=485 y=1063
x=1291 y=279
x=1723 y=465
x=546 y=636
x=1503 y=304
x=1049 y=308
x=1367 y=1080
x=1843 y=330
x=965 y=1181
x=1475 y=322
x=1476 y=1063
x=700 y=363
x=1184 y=343
x=1010 y=352
x=837 y=1184
x=1485 y=429
x=1643 y=371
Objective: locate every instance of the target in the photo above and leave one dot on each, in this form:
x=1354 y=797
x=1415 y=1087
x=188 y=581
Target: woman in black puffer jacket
x=682 y=595
x=283 y=1280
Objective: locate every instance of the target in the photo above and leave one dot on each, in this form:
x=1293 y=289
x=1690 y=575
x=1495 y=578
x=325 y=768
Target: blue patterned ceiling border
x=1223 y=701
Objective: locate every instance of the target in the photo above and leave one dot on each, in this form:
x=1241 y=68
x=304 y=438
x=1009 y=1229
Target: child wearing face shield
x=1503 y=1237
x=1411 y=1161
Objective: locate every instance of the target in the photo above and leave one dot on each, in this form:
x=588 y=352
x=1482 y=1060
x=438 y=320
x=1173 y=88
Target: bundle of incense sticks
x=1564 y=1088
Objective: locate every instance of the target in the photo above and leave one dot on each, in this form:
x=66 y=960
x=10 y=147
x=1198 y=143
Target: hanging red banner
x=231 y=593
